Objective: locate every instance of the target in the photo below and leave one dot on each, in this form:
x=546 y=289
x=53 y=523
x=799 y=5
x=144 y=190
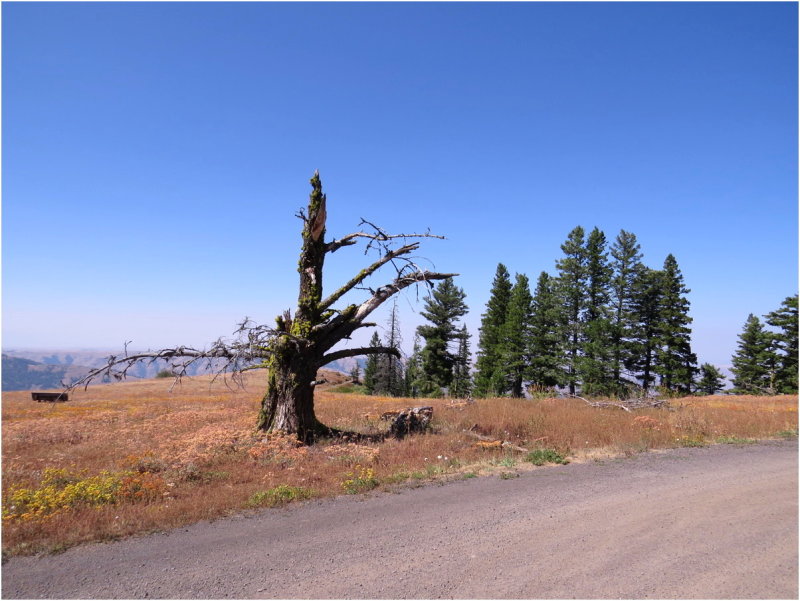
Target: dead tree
x=626 y=404
x=300 y=343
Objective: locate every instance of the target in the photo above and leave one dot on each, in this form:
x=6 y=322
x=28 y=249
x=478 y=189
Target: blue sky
x=154 y=154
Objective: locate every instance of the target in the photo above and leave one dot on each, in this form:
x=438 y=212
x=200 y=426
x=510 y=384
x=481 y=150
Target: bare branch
x=600 y=404
x=117 y=367
x=357 y=352
x=252 y=345
x=377 y=236
x=502 y=443
x=352 y=317
x=385 y=292
x=625 y=405
x=364 y=273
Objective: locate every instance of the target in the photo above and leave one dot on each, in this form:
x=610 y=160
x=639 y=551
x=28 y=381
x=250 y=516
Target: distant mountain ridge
x=40 y=369
x=29 y=369
x=25 y=374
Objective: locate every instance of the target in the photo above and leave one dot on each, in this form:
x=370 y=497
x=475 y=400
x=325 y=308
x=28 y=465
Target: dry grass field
x=133 y=457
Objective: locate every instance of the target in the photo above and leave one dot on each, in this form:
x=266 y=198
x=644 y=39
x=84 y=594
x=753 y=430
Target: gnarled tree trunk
x=288 y=403
x=299 y=344
x=303 y=342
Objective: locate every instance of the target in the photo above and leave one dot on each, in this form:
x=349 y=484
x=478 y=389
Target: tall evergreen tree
x=676 y=364
x=389 y=378
x=626 y=263
x=711 y=379
x=462 y=381
x=754 y=360
x=516 y=337
x=646 y=311
x=355 y=374
x=572 y=284
x=596 y=369
x=413 y=372
x=488 y=376
x=371 y=367
x=443 y=307
x=785 y=319
x=545 y=337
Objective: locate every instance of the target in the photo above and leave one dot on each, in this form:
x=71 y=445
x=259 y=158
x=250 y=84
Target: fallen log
x=627 y=405
x=457 y=404
x=489 y=442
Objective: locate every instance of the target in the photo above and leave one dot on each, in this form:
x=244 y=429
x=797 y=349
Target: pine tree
x=572 y=283
x=755 y=363
x=462 y=381
x=676 y=364
x=626 y=262
x=443 y=307
x=785 y=319
x=645 y=309
x=381 y=379
x=371 y=367
x=413 y=375
x=752 y=360
x=389 y=378
x=515 y=338
x=545 y=339
x=355 y=374
x=595 y=367
x=488 y=380
x=711 y=379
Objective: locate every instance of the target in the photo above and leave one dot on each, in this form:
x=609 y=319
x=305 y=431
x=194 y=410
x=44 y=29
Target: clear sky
x=154 y=154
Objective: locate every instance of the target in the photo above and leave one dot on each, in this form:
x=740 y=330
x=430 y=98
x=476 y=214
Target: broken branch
x=357 y=352
x=363 y=274
x=505 y=444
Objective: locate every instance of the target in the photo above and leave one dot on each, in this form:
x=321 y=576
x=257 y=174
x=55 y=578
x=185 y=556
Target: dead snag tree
x=300 y=343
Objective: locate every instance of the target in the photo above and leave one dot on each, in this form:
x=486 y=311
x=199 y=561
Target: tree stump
x=410 y=421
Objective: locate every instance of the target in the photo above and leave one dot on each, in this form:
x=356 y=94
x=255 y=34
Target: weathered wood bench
x=51 y=397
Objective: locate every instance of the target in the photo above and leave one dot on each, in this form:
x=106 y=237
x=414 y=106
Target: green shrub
x=280 y=495
x=397 y=477
x=507 y=461
x=692 y=441
x=542 y=456
x=735 y=440
x=361 y=479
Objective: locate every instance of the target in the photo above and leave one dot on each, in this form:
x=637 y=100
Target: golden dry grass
x=199 y=458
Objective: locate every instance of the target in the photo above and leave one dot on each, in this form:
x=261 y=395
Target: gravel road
x=716 y=522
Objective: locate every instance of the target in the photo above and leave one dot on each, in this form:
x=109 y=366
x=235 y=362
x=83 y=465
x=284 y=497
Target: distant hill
x=346 y=365
x=24 y=374
x=43 y=369
x=94 y=359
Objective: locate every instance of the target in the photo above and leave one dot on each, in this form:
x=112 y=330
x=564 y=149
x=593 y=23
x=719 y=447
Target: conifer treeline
x=765 y=361
x=603 y=324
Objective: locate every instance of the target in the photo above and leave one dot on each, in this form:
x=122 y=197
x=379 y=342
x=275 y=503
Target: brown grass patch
x=196 y=447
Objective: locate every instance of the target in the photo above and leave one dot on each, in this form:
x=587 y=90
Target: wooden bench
x=51 y=397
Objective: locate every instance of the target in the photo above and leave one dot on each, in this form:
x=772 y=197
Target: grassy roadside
x=130 y=458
